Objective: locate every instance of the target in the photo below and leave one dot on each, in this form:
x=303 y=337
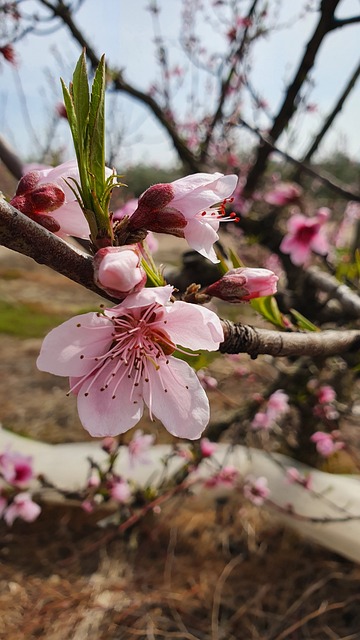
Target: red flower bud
x=28 y=182
x=154 y=214
x=243 y=284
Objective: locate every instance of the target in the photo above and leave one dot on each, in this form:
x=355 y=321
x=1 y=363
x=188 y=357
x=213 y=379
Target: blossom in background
x=118 y=270
x=226 y=477
x=326 y=394
x=208 y=382
x=256 y=490
x=283 y=193
x=243 y=284
x=305 y=235
x=277 y=406
x=8 y=53
x=139 y=446
x=207 y=448
x=120 y=490
x=22 y=506
x=121 y=358
x=293 y=476
x=327 y=443
x=16 y=469
x=190 y=208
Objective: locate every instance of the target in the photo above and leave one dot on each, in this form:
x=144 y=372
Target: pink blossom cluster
x=256 y=490
x=276 y=407
x=16 y=472
x=305 y=235
x=327 y=443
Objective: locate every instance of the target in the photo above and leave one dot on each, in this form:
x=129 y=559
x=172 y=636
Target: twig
x=330 y=183
x=241 y=338
x=348 y=299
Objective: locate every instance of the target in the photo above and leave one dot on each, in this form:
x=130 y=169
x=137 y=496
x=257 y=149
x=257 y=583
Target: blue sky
x=122 y=29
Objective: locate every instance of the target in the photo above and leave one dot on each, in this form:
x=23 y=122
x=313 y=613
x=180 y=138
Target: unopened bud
x=242 y=284
x=118 y=270
x=154 y=213
x=28 y=182
x=32 y=201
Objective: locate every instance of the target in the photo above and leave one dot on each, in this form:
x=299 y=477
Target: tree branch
x=339 y=23
x=10 y=159
x=330 y=183
x=348 y=299
x=240 y=338
x=289 y=105
x=20 y=233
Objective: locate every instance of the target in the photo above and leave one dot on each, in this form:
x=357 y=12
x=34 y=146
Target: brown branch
x=348 y=299
x=61 y=10
x=339 y=23
x=289 y=105
x=329 y=182
x=10 y=159
x=19 y=233
x=240 y=338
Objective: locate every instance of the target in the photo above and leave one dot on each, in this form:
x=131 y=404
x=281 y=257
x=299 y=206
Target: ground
x=198 y=570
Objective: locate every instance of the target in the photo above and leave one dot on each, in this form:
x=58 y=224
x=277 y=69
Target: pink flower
x=243 y=284
x=326 y=394
x=207 y=448
x=118 y=270
x=207 y=382
x=190 y=208
x=139 y=446
x=16 y=469
x=327 y=443
x=278 y=403
x=256 y=490
x=305 y=235
x=121 y=358
x=283 y=193
x=226 y=477
x=22 y=507
x=262 y=420
x=294 y=476
x=120 y=491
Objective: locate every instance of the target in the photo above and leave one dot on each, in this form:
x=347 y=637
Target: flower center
x=218 y=212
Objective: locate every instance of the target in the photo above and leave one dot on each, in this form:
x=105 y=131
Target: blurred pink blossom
x=16 y=469
x=226 y=477
x=207 y=447
x=139 y=446
x=327 y=443
x=283 y=193
x=326 y=394
x=256 y=490
x=305 y=235
x=22 y=506
x=120 y=491
x=294 y=476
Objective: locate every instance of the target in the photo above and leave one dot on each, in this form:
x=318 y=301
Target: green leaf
x=221 y=265
x=71 y=115
x=235 y=259
x=80 y=92
x=96 y=130
x=268 y=308
x=302 y=322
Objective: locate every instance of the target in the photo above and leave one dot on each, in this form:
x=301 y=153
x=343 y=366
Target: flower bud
x=32 y=201
x=154 y=213
x=118 y=270
x=242 y=284
x=28 y=182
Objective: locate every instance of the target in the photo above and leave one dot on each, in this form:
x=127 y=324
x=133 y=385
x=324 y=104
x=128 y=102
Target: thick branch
x=289 y=105
x=60 y=10
x=240 y=338
x=348 y=299
x=21 y=234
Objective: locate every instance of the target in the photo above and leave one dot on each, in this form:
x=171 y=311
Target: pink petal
x=201 y=236
x=319 y=244
x=194 y=327
x=147 y=296
x=183 y=408
x=62 y=347
x=100 y=414
x=201 y=190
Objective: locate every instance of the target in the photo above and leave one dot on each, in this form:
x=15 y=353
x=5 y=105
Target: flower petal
x=193 y=326
x=101 y=414
x=200 y=191
x=62 y=347
x=201 y=236
x=184 y=407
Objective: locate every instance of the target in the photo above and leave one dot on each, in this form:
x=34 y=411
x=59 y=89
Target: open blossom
x=139 y=446
x=190 y=208
x=120 y=490
x=277 y=406
x=243 y=284
x=293 y=476
x=326 y=394
x=327 y=443
x=16 y=469
x=118 y=270
x=22 y=507
x=283 y=193
x=256 y=490
x=305 y=235
x=122 y=358
x=207 y=448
